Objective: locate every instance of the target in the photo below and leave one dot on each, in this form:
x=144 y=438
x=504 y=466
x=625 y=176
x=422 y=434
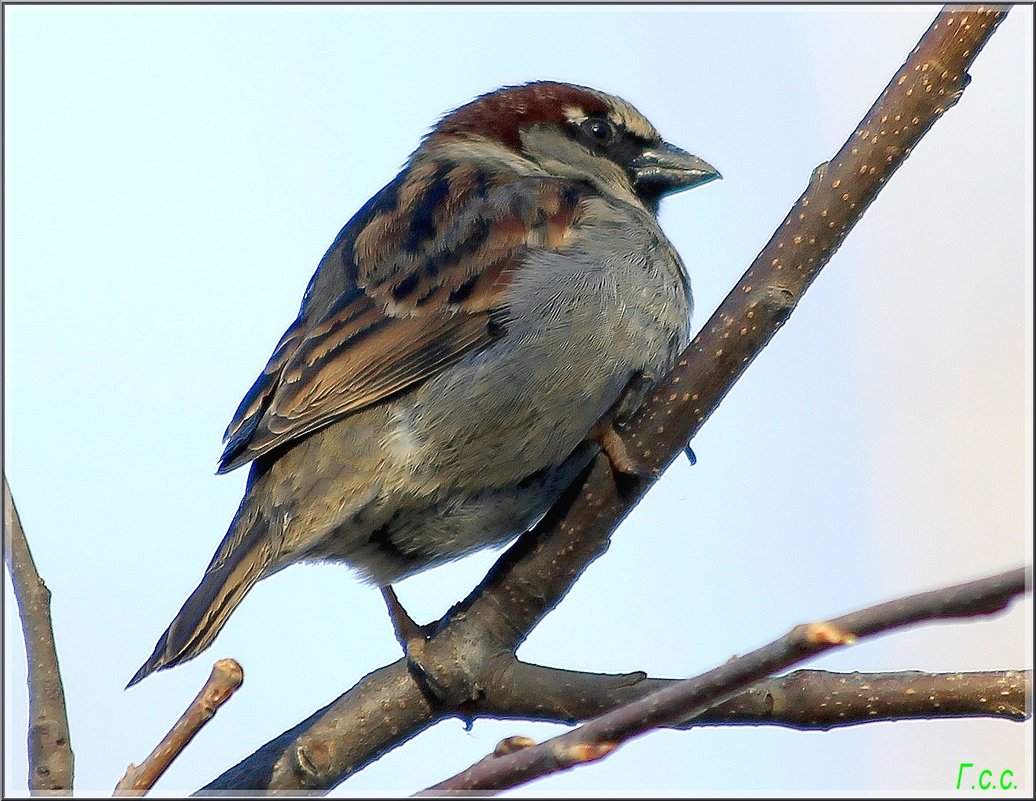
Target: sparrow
x=462 y=351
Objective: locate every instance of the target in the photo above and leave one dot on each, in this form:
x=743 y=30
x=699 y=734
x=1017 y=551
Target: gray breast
x=613 y=302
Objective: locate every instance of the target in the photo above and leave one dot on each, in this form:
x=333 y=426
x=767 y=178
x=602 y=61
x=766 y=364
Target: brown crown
x=500 y=115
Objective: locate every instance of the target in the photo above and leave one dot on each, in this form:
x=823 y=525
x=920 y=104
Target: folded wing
x=417 y=280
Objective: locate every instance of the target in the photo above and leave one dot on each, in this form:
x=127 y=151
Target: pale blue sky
x=173 y=174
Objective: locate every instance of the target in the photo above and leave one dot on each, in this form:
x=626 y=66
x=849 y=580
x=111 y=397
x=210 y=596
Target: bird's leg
x=406 y=629
x=411 y=636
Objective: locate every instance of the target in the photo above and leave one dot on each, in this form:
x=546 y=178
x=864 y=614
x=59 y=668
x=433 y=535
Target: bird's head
x=573 y=132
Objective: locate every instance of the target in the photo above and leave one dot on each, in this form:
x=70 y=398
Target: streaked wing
x=417 y=285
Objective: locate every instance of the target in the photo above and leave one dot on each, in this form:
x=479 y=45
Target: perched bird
x=461 y=351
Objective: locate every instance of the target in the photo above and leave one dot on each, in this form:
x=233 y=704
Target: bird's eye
x=599 y=130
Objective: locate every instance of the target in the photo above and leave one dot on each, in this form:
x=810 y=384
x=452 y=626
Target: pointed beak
x=665 y=169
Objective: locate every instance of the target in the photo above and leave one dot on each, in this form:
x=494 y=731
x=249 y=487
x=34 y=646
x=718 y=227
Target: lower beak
x=666 y=168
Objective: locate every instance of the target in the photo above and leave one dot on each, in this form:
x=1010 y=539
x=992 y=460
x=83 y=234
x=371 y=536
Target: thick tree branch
x=385 y=709
x=51 y=762
x=601 y=736
x=223 y=681
x=803 y=699
x=449 y=671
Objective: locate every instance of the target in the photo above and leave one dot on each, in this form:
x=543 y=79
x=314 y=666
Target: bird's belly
x=394 y=539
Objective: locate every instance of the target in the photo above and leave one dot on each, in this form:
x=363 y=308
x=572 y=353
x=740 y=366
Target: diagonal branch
x=382 y=711
x=223 y=682
x=477 y=639
x=601 y=736
x=929 y=83
x=51 y=763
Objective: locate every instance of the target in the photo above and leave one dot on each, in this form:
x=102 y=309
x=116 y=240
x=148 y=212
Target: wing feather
x=416 y=280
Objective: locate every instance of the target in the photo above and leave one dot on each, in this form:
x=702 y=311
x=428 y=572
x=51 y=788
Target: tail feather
x=226 y=582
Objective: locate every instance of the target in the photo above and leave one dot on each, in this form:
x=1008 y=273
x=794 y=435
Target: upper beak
x=666 y=168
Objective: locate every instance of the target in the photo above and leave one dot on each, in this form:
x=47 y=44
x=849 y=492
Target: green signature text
x=968 y=779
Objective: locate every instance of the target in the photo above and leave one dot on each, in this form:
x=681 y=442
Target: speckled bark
x=926 y=86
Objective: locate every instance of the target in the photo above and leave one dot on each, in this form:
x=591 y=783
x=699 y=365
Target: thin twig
x=224 y=680
x=51 y=762
x=603 y=735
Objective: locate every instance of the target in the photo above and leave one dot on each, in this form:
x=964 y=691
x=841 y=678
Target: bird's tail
x=238 y=564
